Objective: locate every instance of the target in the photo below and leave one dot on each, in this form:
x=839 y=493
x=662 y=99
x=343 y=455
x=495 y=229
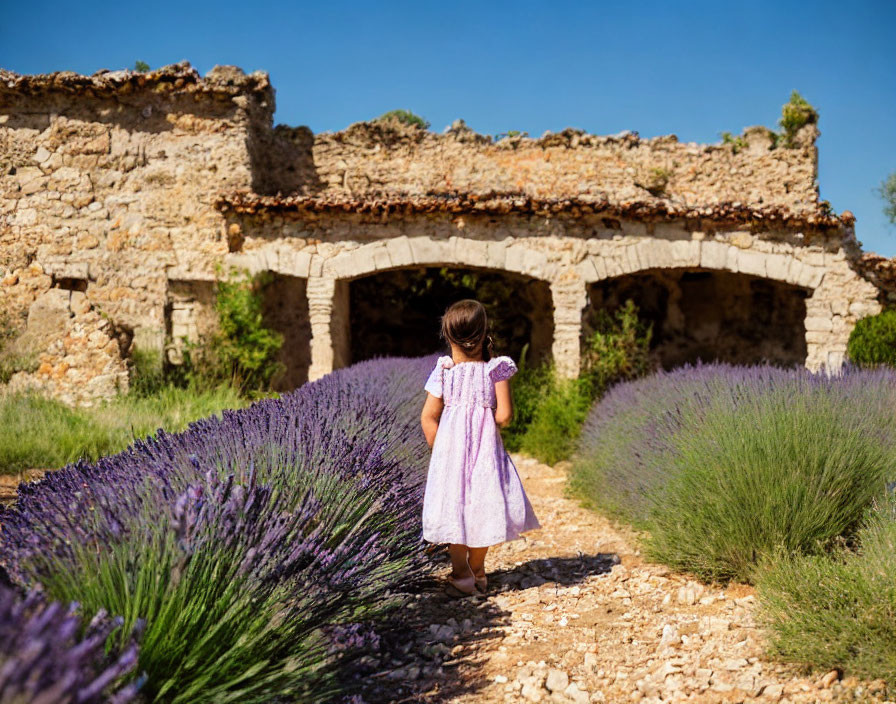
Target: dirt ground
x=575 y=615
x=9 y=483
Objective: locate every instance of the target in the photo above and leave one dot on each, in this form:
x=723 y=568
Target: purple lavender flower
x=44 y=659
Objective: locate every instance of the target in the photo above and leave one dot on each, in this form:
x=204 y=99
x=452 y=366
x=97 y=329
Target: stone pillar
x=569 y=299
x=328 y=314
x=832 y=310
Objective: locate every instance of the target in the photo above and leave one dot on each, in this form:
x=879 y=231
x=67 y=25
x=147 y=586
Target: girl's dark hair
x=465 y=323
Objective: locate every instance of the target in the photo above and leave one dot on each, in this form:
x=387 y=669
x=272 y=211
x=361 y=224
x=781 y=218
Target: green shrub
x=147 y=372
x=405 y=117
x=618 y=349
x=243 y=351
x=558 y=417
x=873 y=340
x=792 y=467
x=839 y=610
x=549 y=410
x=528 y=386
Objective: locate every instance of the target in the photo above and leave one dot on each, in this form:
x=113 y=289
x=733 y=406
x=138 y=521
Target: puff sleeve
x=434 y=382
x=501 y=368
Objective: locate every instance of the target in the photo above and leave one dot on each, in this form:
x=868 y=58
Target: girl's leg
x=477 y=561
x=459 y=567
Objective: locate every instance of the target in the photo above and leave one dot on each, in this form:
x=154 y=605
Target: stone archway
x=328 y=279
x=836 y=295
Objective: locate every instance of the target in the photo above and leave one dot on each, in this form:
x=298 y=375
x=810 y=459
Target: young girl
x=473 y=497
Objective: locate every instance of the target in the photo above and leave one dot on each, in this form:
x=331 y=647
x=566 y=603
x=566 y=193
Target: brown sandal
x=482 y=585
x=455 y=591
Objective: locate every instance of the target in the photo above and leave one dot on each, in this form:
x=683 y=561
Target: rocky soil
x=575 y=615
x=9 y=483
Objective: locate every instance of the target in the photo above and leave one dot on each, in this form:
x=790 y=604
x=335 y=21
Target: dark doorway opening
x=396 y=313
x=710 y=315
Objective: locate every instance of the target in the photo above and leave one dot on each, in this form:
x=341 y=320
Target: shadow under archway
x=396 y=312
x=709 y=315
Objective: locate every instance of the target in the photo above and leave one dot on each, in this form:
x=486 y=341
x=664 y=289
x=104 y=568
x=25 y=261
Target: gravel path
x=575 y=615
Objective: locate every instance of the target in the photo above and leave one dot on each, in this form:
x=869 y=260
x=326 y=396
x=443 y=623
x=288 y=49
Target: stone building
x=122 y=194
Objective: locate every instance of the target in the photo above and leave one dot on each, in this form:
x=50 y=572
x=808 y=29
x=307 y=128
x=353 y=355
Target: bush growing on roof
x=405 y=117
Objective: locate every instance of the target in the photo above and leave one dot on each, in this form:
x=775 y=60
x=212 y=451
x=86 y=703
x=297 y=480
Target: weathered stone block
x=381 y=259
x=810 y=276
x=685 y=253
x=514 y=259
x=731 y=259
x=752 y=262
x=428 y=252
x=588 y=270
x=400 y=253
x=819 y=324
x=713 y=255
x=534 y=264
x=471 y=252
x=777 y=266
x=496 y=252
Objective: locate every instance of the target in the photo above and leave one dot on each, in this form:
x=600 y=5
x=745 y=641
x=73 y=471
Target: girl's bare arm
x=429 y=418
x=504 y=411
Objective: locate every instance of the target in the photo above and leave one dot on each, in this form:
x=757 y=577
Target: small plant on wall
x=405 y=117
x=737 y=143
x=795 y=114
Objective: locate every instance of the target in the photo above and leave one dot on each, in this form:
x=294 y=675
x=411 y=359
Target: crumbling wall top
x=224 y=81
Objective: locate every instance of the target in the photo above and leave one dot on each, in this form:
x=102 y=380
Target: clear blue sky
x=659 y=67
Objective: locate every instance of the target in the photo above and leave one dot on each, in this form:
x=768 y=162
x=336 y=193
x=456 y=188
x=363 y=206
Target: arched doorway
x=396 y=312
x=709 y=315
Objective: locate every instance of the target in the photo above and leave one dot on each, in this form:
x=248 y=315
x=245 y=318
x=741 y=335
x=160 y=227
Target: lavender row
x=723 y=465
x=285 y=529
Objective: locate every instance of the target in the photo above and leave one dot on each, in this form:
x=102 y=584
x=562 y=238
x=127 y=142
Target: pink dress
x=473 y=493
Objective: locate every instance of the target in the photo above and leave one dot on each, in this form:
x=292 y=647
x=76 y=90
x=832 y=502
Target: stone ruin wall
x=370 y=159
x=112 y=219
x=106 y=184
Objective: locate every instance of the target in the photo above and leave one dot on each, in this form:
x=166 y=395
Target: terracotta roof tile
x=497 y=203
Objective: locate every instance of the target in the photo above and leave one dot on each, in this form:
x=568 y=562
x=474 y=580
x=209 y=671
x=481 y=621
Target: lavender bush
x=254 y=545
x=723 y=464
x=838 y=610
x=48 y=655
x=624 y=451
